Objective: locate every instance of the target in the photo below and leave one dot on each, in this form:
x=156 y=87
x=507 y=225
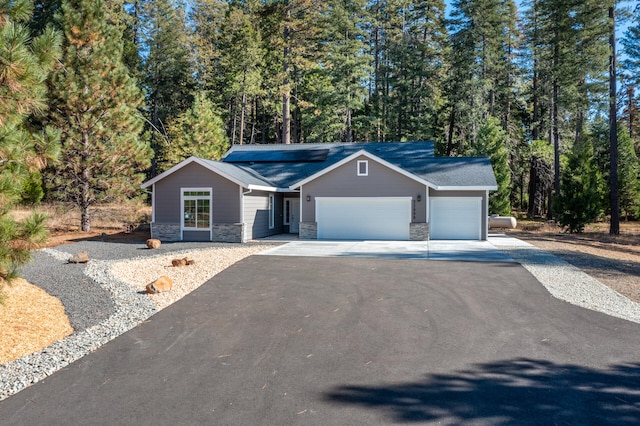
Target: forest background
x=96 y=96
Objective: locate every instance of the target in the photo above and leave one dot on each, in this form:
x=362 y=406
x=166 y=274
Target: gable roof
x=286 y=174
x=358 y=154
x=239 y=176
x=283 y=168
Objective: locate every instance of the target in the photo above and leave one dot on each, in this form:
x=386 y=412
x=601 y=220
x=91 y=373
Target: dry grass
x=30 y=320
x=64 y=218
x=599 y=231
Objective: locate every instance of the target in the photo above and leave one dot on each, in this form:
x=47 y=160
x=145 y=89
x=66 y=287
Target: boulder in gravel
x=81 y=257
x=152 y=243
x=161 y=285
x=183 y=262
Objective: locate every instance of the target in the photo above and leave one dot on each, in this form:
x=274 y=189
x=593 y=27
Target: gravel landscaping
x=105 y=297
x=100 y=305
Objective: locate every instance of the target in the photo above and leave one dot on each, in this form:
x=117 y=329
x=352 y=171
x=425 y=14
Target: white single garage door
x=363 y=218
x=455 y=218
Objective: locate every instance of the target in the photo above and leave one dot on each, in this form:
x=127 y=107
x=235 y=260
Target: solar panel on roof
x=277 y=156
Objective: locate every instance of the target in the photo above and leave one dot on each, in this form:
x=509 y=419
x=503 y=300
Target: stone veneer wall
x=228 y=232
x=165 y=231
x=419 y=231
x=222 y=232
x=308 y=231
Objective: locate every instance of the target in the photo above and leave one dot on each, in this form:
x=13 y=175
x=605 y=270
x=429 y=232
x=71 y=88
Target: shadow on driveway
x=520 y=391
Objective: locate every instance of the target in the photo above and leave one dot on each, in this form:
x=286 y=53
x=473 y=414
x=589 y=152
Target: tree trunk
x=614 y=226
x=85 y=188
x=348 y=138
x=286 y=96
x=243 y=109
x=154 y=141
x=555 y=118
x=234 y=114
x=450 y=133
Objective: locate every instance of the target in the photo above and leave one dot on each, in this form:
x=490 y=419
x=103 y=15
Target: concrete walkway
x=477 y=251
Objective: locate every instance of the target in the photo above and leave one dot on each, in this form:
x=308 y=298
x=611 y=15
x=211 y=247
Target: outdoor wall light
x=308 y=197
x=419 y=197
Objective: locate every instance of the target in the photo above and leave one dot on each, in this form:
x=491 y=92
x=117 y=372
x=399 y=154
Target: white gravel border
x=566 y=282
x=132 y=308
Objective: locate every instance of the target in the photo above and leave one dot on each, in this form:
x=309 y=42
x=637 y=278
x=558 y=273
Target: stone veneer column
x=165 y=231
x=308 y=231
x=419 y=231
x=228 y=232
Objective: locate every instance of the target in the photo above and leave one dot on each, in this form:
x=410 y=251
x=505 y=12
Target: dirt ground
x=31 y=320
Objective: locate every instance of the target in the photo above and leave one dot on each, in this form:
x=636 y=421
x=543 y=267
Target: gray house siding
x=226 y=194
x=380 y=181
x=225 y=209
x=256 y=215
x=481 y=194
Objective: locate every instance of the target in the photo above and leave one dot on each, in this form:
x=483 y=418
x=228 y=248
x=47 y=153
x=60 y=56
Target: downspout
x=153 y=203
x=300 y=212
x=242 y=194
x=486 y=215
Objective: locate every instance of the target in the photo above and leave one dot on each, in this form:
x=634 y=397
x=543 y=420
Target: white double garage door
x=389 y=218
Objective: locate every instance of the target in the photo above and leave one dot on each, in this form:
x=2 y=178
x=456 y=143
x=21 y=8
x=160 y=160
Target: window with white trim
x=272 y=212
x=363 y=168
x=196 y=208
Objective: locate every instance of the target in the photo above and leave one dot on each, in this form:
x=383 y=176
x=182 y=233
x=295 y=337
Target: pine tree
x=628 y=176
x=579 y=200
x=199 y=131
x=334 y=88
x=492 y=142
x=241 y=51
x=167 y=67
x=95 y=105
x=484 y=42
x=24 y=65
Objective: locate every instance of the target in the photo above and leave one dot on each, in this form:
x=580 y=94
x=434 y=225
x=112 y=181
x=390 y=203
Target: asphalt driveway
x=303 y=340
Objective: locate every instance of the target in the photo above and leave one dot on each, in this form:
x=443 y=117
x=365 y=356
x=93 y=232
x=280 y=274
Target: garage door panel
x=456 y=218
x=363 y=218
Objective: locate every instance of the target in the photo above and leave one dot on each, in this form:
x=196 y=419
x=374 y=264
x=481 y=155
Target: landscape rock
x=152 y=243
x=183 y=262
x=161 y=285
x=81 y=257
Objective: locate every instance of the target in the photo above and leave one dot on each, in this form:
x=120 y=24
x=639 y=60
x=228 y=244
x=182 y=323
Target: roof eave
x=466 y=188
x=268 y=188
x=353 y=156
x=202 y=163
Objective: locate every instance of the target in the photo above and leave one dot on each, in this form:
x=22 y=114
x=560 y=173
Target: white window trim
x=272 y=211
x=366 y=168
x=200 y=197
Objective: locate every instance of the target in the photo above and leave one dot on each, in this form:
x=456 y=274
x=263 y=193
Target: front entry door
x=294 y=216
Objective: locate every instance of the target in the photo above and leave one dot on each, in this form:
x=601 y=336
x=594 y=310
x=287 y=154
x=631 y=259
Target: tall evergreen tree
x=24 y=65
x=492 y=142
x=628 y=176
x=198 y=131
x=241 y=54
x=95 y=105
x=484 y=41
x=579 y=200
x=167 y=66
x=335 y=88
